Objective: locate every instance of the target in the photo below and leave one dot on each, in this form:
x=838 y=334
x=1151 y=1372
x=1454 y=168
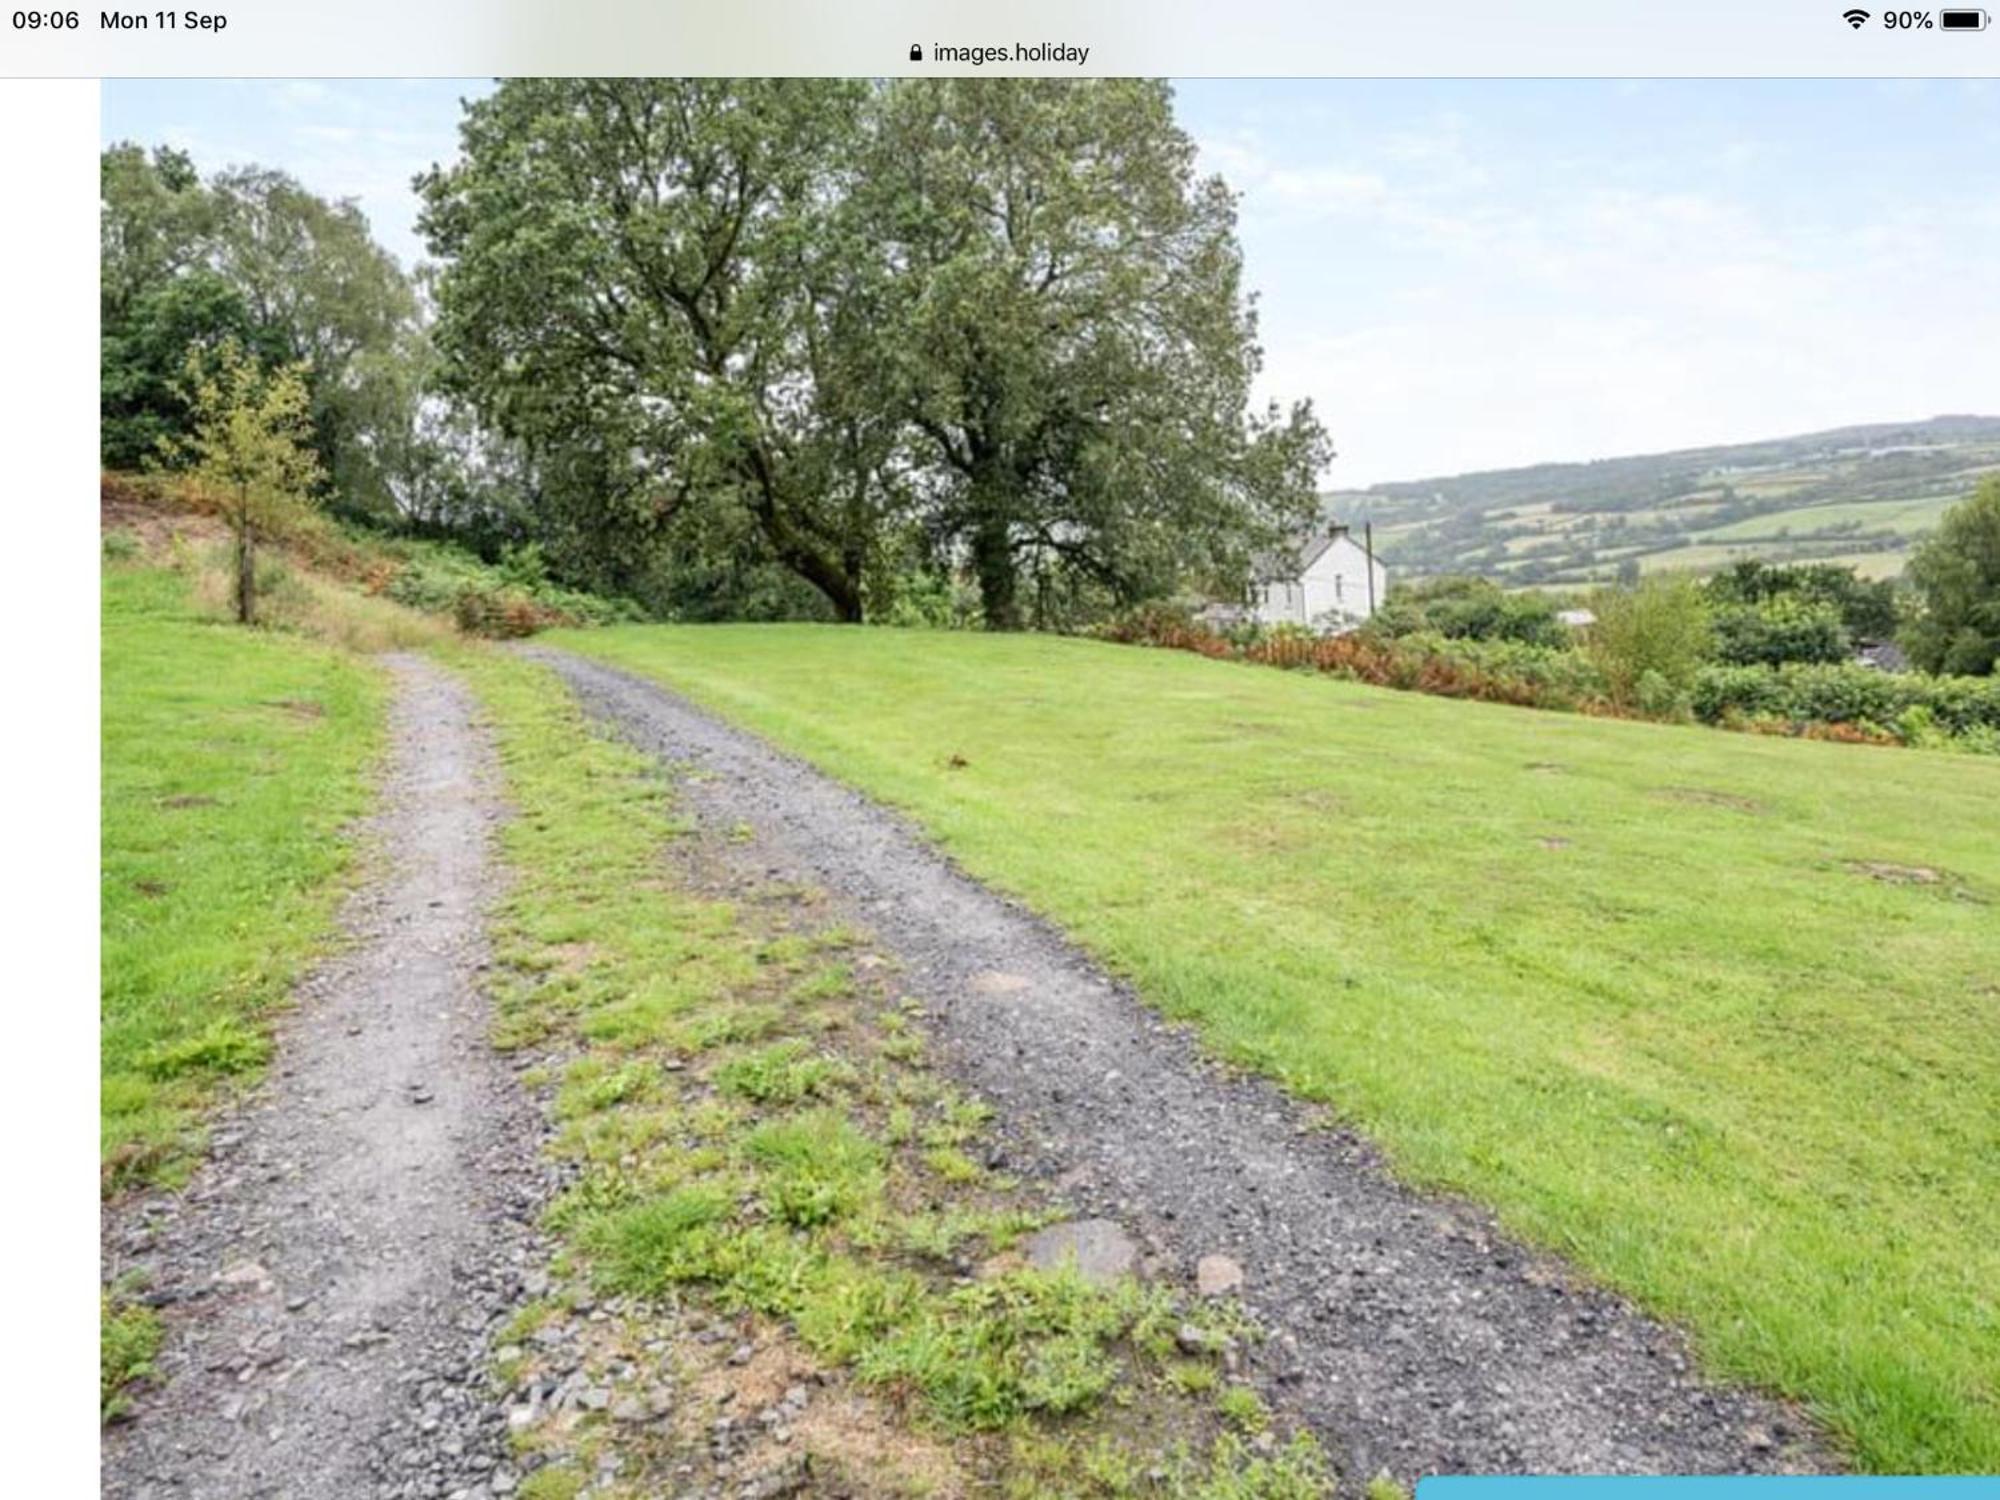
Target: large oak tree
x=655 y=263
x=1006 y=314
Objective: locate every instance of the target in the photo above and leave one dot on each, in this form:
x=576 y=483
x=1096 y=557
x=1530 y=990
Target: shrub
x=1823 y=700
x=1661 y=626
x=501 y=614
x=512 y=599
x=1470 y=609
x=1846 y=693
x=1782 y=629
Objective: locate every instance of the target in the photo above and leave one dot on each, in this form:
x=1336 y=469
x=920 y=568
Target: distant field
x=231 y=760
x=1907 y=517
x=1869 y=564
x=1780 y=501
x=1672 y=1001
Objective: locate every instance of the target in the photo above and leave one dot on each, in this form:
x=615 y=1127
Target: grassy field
x=231 y=760
x=1908 y=517
x=1714 y=1014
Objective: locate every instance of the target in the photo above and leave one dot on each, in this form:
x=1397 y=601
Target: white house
x=1330 y=582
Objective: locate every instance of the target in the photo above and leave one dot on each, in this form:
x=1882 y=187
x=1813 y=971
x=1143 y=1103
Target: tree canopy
x=253 y=259
x=997 y=324
x=1956 y=575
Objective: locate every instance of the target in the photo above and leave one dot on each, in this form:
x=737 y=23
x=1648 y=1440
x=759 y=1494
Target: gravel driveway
x=1411 y=1334
x=330 y=1276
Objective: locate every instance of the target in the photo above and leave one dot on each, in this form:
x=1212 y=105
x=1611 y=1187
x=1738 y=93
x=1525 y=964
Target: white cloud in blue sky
x=1469 y=274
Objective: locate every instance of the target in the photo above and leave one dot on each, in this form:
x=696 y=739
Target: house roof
x=1292 y=562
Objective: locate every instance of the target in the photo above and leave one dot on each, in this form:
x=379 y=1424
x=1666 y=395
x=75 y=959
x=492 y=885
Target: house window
x=1339 y=582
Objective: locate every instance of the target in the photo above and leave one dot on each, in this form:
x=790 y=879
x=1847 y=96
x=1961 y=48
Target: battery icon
x=1962 y=20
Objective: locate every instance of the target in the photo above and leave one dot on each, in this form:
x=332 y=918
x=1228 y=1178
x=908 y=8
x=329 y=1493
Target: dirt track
x=1411 y=1333
x=334 y=1273
x=331 y=1274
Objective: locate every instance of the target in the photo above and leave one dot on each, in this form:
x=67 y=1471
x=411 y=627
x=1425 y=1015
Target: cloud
x=1471 y=309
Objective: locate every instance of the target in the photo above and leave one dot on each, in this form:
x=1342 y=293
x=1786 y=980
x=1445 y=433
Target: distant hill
x=1855 y=495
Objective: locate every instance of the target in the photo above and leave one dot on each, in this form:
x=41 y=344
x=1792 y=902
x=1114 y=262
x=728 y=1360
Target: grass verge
x=232 y=760
x=785 y=1251
x=1712 y=1015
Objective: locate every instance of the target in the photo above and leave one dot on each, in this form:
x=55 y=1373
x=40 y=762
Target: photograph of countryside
x=947 y=787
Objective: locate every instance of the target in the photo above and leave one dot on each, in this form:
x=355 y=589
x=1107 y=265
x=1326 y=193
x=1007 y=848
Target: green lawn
x=1627 y=983
x=231 y=761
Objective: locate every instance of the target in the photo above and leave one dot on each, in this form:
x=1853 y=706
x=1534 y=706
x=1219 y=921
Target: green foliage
x=231 y=762
x=818 y=1167
x=751 y=321
x=1866 y=609
x=1243 y=1409
x=1956 y=574
x=436 y=578
x=328 y=299
x=247 y=446
x=783 y=1073
x=694 y=342
x=1661 y=627
x=1781 y=629
x=1499 y=671
x=1069 y=341
x=1472 y=609
x=144 y=358
x=995 y=1351
x=1951 y=713
x=252 y=258
x=128 y=1339
x=1235 y=1470
x=1845 y=693
x=662 y=1242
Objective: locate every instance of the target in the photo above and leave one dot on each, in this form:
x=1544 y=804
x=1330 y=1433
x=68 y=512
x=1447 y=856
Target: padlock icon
x=916 y=52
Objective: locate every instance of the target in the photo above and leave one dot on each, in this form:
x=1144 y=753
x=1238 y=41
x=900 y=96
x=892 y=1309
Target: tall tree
x=324 y=295
x=159 y=297
x=250 y=448
x=156 y=220
x=1956 y=574
x=1073 y=340
x=290 y=277
x=654 y=262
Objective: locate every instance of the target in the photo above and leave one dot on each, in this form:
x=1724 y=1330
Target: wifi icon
x=1855 y=18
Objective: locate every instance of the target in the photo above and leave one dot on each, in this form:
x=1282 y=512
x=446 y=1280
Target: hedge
x=1844 y=693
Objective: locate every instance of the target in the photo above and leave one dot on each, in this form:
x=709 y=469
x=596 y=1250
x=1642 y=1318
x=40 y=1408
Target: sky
x=1472 y=274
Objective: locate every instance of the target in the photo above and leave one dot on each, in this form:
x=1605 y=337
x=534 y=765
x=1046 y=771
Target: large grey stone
x=1098 y=1248
x=1217 y=1276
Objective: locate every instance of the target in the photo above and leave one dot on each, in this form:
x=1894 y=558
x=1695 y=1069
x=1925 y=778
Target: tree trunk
x=246 y=575
x=993 y=565
x=797 y=552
